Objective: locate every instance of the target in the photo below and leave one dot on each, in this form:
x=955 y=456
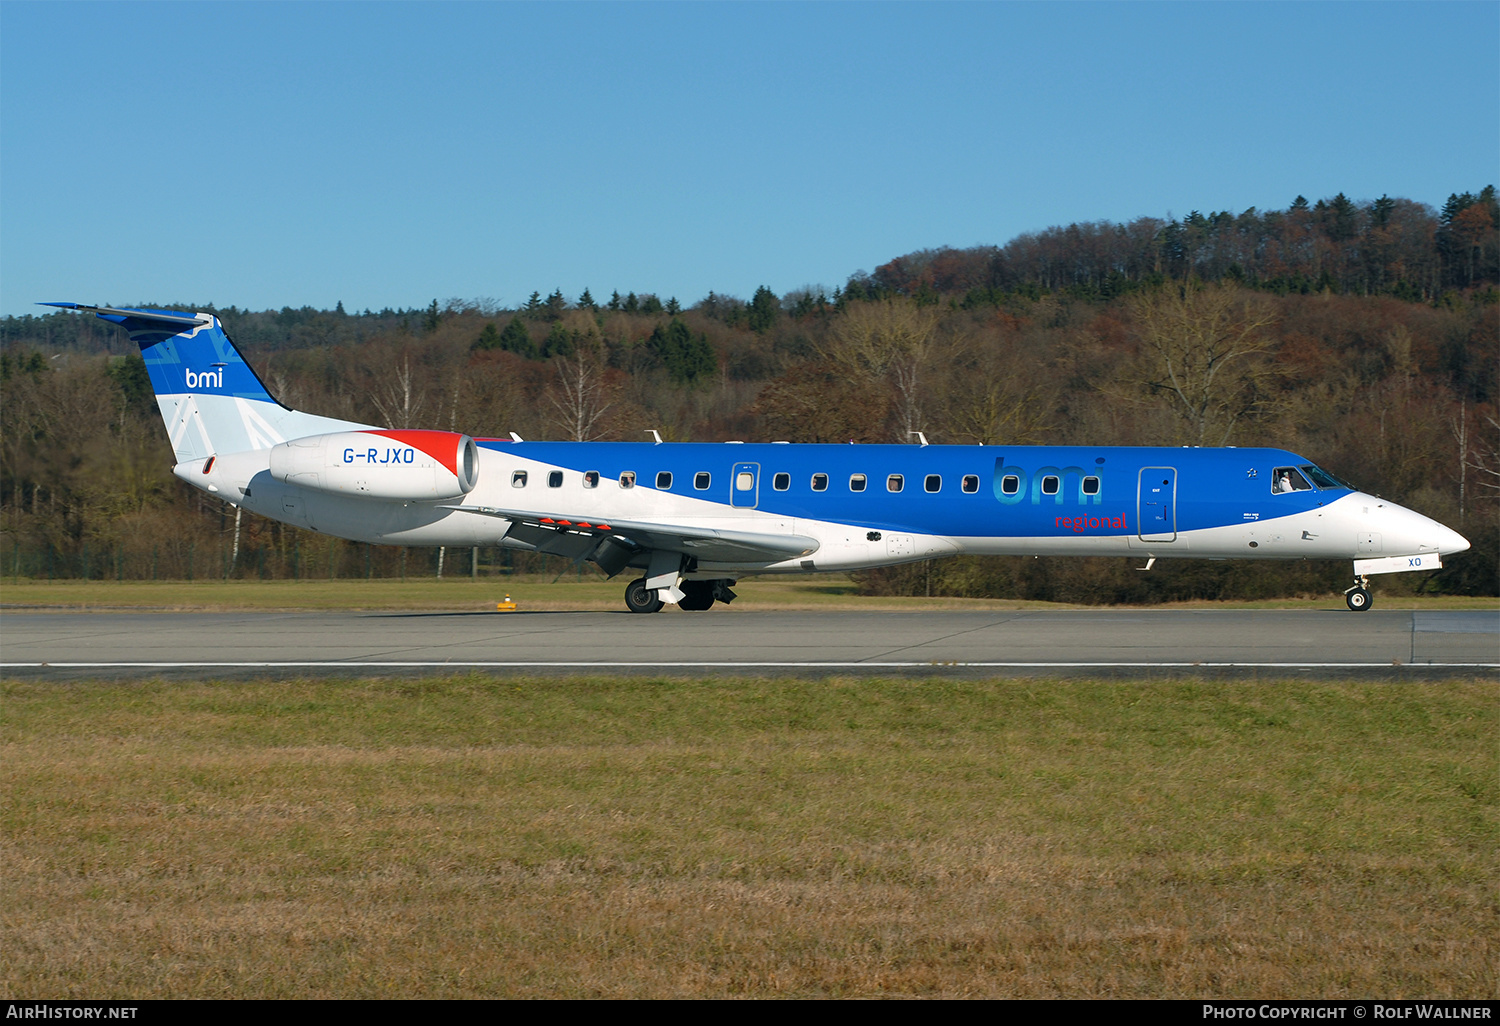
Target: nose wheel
x=1358 y=598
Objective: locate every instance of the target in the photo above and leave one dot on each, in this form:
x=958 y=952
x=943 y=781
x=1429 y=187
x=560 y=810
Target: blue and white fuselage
x=696 y=517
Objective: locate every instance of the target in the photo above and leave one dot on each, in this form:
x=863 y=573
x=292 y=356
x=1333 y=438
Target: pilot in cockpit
x=1287 y=479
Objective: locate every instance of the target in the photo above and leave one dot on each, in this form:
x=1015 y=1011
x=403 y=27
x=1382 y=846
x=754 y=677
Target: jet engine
x=379 y=464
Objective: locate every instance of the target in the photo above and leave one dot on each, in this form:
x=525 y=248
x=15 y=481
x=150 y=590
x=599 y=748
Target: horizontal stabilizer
x=121 y=316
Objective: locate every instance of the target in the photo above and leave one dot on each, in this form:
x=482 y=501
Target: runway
x=59 y=645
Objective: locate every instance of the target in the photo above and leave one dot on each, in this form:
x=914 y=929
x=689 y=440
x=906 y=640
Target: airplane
x=694 y=518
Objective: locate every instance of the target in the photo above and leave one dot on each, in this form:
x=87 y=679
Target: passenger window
x=554 y=479
x=664 y=479
x=1050 y=485
x=933 y=483
x=627 y=479
x=1288 y=479
x=857 y=482
x=781 y=482
x=1091 y=486
x=1010 y=484
x=702 y=480
x=591 y=479
x=894 y=483
x=971 y=483
x=518 y=479
x=820 y=482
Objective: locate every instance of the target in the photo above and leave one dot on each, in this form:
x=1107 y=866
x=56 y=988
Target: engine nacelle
x=380 y=464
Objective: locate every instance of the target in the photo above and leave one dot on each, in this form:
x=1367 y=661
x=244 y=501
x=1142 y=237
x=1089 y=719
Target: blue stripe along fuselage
x=1209 y=487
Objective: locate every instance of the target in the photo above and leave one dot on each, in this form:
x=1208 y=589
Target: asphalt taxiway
x=1119 y=642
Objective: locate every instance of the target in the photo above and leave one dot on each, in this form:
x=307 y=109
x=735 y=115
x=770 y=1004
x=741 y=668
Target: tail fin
x=210 y=399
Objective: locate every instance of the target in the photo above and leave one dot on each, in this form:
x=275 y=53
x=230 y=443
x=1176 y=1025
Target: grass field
x=511 y=837
x=830 y=591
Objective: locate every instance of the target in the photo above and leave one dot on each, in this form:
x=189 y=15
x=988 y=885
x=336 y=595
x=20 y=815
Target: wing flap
x=547 y=533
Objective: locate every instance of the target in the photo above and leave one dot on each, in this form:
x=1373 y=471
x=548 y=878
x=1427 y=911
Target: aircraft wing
x=577 y=537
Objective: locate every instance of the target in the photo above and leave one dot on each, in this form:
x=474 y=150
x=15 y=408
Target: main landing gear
x=640 y=599
x=1358 y=597
x=696 y=595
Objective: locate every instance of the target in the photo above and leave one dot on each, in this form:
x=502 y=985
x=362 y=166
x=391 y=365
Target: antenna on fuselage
x=654 y=434
x=920 y=437
x=516 y=438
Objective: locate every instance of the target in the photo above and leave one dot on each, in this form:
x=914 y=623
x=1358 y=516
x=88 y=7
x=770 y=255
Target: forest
x=1363 y=335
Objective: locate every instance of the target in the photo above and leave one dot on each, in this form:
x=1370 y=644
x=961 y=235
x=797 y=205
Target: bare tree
x=1460 y=428
x=1485 y=462
x=1204 y=356
x=581 y=396
x=888 y=340
x=397 y=398
x=987 y=409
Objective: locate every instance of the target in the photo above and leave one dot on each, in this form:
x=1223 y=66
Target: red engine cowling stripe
x=440 y=445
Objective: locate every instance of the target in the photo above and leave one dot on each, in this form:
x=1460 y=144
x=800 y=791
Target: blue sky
x=277 y=154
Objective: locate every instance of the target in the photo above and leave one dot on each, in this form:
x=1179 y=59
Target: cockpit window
x=1322 y=478
x=1288 y=479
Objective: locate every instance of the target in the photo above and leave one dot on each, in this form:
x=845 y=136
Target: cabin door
x=1156 y=504
x=744 y=485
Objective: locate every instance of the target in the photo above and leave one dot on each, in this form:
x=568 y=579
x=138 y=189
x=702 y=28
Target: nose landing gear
x=1358 y=597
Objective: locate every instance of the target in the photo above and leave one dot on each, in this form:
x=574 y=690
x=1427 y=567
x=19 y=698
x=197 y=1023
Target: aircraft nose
x=1405 y=531
x=1428 y=534
x=1450 y=541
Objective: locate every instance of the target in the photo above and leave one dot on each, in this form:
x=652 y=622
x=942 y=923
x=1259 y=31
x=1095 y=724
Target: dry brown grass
x=505 y=837
x=591 y=592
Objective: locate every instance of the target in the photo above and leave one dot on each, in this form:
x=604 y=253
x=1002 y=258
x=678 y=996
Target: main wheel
x=697 y=595
x=641 y=599
x=1359 y=599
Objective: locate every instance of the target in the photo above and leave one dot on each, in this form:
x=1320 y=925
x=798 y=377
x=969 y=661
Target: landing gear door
x=744 y=485
x=1156 y=504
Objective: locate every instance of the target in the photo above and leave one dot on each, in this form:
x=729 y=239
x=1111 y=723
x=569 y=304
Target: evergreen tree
x=673 y=307
x=129 y=373
x=586 y=301
x=1344 y=214
x=614 y=300
x=688 y=358
x=559 y=342
x=488 y=339
x=650 y=305
x=556 y=304
x=432 y=320
x=631 y=304
x=763 y=310
x=534 y=305
x=516 y=339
